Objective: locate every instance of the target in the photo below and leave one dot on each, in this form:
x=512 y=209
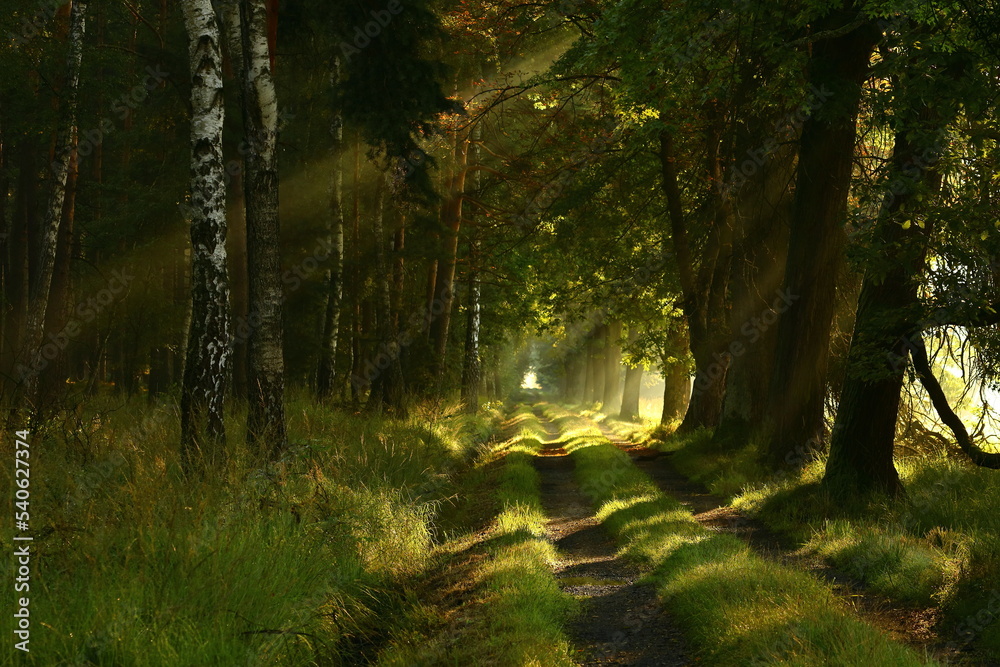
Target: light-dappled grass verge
x=297 y=562
x=735 y=607
x=940 y=545
x=638 y=431
x=516 y=610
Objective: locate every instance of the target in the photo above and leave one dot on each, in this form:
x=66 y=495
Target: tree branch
x=918 y=352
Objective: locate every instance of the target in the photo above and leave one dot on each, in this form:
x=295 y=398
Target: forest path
x=916 y=626
x=621 y=621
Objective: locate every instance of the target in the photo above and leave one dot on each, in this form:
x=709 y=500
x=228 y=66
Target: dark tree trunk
x=576 y=373
x=797 y=388
x=761 y=220
x=6 y=234
x=703 y=291
x=676 y=375
x=444 y=290
x=358 y=384
x=31 y=359
x=595 y=365
x=861 y=448
x=24 y=219
x=386 y=390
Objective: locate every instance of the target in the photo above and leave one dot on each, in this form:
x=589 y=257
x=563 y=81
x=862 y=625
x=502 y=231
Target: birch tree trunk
x=30 y=355
x=266 y=370
x=326 y=375
x=203 y=432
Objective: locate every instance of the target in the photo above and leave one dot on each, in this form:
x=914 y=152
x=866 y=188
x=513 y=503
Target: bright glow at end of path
x=530 y=381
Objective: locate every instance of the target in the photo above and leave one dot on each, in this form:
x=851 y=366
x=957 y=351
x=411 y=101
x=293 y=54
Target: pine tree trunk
x=17 y=287
x=385 y=390
x=444 y=289
x=266 y=376
x=31 y=347
x=203 y=432
x=815 y=251
x=326 y=377
x=471 y=368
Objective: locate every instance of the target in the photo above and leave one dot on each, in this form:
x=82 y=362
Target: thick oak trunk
x=761 y=220
x=864 y=434
x=839 y=66
x=703 y=290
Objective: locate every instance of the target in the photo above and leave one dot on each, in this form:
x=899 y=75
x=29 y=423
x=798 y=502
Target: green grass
x=293 y=563
x=517 y=610
x=935 y=547
x=735 y=607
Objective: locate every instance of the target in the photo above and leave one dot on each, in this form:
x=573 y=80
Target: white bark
x=266 y=419
x=208 y=347
x=326 y=381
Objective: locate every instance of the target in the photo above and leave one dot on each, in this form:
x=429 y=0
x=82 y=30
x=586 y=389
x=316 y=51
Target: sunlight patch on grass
x=735 y=607
x=517 y=614
x=934 y=546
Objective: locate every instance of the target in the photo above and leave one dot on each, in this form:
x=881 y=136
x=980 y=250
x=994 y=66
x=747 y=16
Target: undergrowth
x=294 y=562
